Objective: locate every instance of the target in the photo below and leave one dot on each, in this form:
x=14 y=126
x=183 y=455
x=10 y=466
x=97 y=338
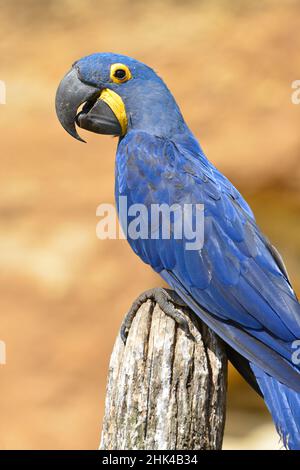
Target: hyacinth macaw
x=237 y=283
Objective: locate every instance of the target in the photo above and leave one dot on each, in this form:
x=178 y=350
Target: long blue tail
x=283 y=402
x=284 y=406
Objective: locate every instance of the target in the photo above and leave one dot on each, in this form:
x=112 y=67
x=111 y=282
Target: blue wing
x=237 y=282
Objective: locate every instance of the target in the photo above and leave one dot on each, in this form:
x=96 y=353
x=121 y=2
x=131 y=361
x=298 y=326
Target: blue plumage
x=234 y=284
x=237 y=282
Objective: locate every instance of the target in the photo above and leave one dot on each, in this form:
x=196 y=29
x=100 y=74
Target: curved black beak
x=96 y=115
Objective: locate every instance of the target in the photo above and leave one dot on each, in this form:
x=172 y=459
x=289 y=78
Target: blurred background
x=63 y=292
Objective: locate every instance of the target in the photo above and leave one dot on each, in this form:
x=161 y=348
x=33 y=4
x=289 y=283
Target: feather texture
x=235 y=283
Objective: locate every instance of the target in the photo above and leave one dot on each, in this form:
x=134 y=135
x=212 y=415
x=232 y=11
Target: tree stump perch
x=165 y=390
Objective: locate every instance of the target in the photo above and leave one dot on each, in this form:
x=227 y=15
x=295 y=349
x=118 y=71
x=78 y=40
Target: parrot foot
x=165 y=298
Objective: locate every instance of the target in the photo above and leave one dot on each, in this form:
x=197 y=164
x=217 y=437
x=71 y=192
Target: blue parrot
x=236 y=282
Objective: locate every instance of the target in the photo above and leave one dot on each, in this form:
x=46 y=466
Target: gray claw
x=165 y=298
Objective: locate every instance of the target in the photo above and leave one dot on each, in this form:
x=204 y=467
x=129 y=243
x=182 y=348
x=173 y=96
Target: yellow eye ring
x=120 y=73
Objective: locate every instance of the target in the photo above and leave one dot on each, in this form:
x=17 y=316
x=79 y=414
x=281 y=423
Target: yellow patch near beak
x=115 y=102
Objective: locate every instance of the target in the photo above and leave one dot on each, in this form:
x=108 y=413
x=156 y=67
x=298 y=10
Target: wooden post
x=164 y=390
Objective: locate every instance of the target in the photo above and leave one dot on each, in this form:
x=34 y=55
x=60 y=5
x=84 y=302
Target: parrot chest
x=147 y=178
x=152 y=175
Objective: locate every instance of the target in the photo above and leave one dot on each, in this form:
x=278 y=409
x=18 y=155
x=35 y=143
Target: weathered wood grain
x=164 y=390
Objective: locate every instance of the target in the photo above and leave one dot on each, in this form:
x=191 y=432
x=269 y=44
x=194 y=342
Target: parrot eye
x=120 y=73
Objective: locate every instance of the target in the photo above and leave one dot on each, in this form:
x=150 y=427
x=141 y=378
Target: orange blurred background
x=63 y=292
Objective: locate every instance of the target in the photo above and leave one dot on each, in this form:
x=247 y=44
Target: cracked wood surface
x=164 y=390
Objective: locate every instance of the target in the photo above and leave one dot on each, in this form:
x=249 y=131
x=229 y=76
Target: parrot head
x=111 y=94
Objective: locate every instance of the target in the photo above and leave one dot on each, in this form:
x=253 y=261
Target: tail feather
x=284 y=406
